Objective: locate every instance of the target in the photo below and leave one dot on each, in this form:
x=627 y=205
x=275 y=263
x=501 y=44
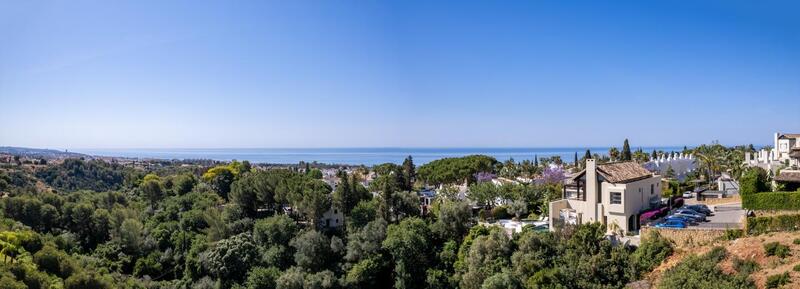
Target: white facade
x=680 y=163
x=333 y=218
x=614 y=204
x=784 y=152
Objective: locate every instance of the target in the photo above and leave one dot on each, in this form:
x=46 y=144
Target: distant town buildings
x=680 y=163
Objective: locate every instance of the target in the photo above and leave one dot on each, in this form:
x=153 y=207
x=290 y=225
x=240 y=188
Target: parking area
x=725 y=216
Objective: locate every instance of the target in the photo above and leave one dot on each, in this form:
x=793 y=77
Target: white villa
x=613 y=194
x=783 y=157
x=332 y=218
x=785 y=152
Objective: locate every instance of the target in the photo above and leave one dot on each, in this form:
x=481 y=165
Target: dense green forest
x=91 y=224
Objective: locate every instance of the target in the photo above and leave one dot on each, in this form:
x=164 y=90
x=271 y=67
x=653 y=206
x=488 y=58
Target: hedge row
x=761 y=225
x=772 y=201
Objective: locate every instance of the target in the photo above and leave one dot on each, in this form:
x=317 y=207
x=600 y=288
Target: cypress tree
x=343 y=195
x=409 y=173
x=626 y=151
x=536 y=160
x=588 y=155
x=576 y=158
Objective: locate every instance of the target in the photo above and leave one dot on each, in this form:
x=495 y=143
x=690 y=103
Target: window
x=652 y=189
x=616 y=198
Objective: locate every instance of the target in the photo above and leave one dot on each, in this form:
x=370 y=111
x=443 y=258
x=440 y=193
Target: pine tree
x=626 y=151
x=654 y=155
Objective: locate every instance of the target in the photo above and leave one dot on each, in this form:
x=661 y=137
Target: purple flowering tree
x=552 y=175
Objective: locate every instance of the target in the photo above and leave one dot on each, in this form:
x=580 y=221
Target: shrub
x=733 y=234
x=745 y=267
x=7 y=282
x=796 y=241
x=87 y=281
x=654 y=250
x=261 y=277
x=500 y=212
x=771 y=201
x=703 y=272
x=150 y=266
x=796 y=268
x=717 y=254
x=778 y=280
x=753 y=180
x=53 y=261
x=761 y=225
x=483 y=215
x=776 y=249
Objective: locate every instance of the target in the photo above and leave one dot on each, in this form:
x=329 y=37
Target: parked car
x=700 y=209
x=676 y=224
x=698 y=218
x=688 y=195
x=689 y=211
x=686 y=220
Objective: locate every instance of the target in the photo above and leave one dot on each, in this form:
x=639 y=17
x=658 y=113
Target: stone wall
x=686 y=237
x=721 y=201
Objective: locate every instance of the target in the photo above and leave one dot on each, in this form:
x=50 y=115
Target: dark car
x=700 y=209
x=686 y=210
x=688 y=221
x=696 y=217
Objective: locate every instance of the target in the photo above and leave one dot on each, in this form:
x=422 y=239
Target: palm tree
x=613 y=153
x=734 y=162
x=711 y=159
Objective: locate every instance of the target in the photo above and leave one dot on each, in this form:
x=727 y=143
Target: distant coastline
x=351 y=156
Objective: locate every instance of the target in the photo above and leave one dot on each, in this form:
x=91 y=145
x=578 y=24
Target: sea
x=351 y=156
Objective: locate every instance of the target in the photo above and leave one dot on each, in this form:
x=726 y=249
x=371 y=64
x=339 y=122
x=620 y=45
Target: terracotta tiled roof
x=623 y=172
x=790 y=135
x=788 y=176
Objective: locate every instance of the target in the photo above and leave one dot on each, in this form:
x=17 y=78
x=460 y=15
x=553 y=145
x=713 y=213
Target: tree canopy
x=455 y=170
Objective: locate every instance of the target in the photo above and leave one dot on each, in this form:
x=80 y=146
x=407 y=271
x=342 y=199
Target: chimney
x=591 y=191
x=590 y=166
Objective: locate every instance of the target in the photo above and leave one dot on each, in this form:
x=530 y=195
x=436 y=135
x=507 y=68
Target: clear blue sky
x=178 y=74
